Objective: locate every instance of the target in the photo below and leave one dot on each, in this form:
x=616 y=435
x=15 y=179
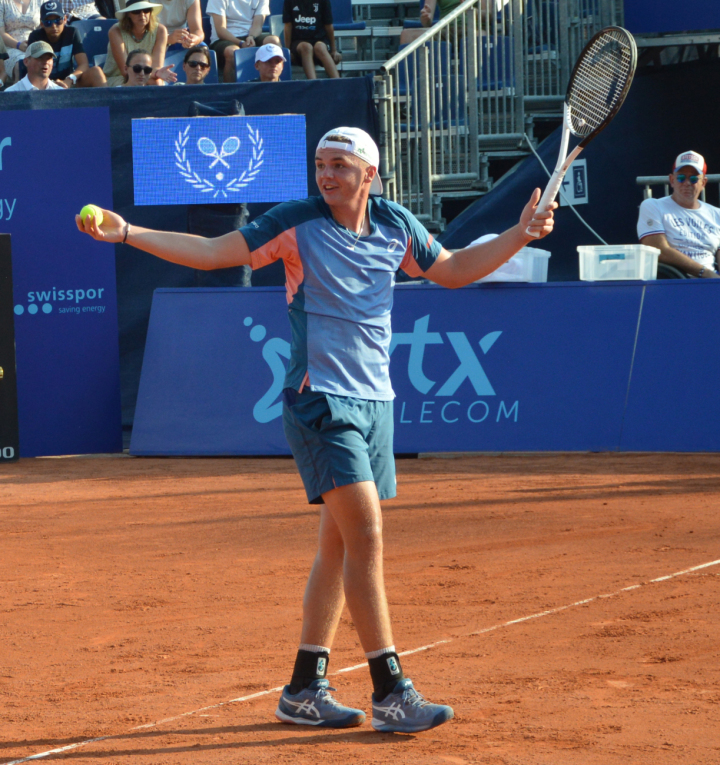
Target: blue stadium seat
x=276 y=8
x=207 y=28
x=438 y=54
x=245 y=65
x=343 y=16
x=94 y=35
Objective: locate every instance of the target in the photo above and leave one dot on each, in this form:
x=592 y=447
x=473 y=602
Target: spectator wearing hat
x=685 y=229
x=137 y=29
x=270 y=62
x=237 y=24
x=310 y=35
x=17 y=21
x=182 y=19
x=71 y=66
x=39 y=62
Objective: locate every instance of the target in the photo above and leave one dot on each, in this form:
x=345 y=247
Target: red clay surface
x=136 y=590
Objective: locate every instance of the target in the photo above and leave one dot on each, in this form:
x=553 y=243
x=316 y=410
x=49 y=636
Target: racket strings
x=599 y=82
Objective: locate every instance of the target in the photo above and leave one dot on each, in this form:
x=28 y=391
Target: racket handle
x=549 y=194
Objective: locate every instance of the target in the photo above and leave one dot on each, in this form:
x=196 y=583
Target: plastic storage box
x=622 y=261
x=528 y=265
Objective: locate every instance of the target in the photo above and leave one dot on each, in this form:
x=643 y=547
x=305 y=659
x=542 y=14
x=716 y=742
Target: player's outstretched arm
x=183 y=249
x=471 y=263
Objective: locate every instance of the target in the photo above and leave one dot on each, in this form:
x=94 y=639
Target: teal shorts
x=338 y=440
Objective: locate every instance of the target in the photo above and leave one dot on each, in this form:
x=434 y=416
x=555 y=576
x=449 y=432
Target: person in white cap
x=341 y=251
x=685 y=229
x=270 y=62
x=39 y=61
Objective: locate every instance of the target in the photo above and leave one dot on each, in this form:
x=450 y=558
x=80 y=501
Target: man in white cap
x=39 y=61
x=269 y=61
x=341 y=251
x=685 y=229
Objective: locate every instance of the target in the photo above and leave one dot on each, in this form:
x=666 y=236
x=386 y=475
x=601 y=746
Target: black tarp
x=668 y=110
x=325 y=103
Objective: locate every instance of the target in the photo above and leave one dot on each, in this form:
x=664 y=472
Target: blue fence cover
x=219 y=159
x=65 y=305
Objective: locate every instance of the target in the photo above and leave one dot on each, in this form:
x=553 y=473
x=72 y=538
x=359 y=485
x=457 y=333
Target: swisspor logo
x=74 y=300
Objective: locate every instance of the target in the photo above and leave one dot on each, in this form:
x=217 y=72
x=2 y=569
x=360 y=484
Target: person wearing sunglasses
x=685 y=229
x=71 y=67
x=138 y=29
x=138 y=68
x=196 y=65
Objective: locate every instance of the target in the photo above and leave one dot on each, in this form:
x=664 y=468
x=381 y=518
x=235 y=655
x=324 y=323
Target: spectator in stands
x=39 y=62
x=684 y=229
x=196 y=64
x=138 y=68
x=310 y=35
x=138 y=29
x=182 y=19
x=269 y=61
x=17 y=20
x=5 y=75
x=77 y=10
x=71 y=66
x=237 y=24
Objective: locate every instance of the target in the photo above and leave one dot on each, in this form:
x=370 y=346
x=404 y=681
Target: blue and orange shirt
x=340 y=289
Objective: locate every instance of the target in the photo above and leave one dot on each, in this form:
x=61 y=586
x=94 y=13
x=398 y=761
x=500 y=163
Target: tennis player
x=341 y=251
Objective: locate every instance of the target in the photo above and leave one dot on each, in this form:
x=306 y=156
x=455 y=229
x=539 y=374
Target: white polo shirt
x=25 y=84
x=695 y=233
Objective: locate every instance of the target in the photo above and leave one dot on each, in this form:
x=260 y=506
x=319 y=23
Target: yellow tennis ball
x=91 y=210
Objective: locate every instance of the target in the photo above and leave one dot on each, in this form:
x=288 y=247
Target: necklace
x=357 y=236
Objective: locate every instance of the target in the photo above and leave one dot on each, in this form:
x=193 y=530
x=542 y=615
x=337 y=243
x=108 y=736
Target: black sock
x=309 y=666
x=386 y=673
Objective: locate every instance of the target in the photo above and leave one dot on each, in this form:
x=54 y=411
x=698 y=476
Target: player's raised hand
x=112 y=228
x=537 y=223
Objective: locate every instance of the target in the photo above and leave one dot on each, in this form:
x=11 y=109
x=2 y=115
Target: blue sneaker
x=406 y=711
x=315 y=706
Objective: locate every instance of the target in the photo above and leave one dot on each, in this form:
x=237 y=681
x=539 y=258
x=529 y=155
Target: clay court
x=151 y=604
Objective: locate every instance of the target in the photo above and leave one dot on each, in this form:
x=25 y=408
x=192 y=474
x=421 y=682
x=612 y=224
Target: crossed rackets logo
x=229 y=147
x=221 y=183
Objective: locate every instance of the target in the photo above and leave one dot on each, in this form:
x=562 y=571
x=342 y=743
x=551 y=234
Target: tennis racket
x=598 y=85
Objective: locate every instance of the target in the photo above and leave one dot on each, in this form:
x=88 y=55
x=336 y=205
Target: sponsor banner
x=485 y=368
x=64 y=301
x=213 y=160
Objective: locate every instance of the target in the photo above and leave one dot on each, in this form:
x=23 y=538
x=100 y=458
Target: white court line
x=427 y=647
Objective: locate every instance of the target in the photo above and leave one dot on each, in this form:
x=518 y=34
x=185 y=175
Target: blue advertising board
x=64 y=294
x=650 y=16
x=485 y=368
x=211 y=160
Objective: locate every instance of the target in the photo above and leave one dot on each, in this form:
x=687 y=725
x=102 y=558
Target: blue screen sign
x=211 y=160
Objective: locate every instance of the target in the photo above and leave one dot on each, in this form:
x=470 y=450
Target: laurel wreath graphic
x=207 y=186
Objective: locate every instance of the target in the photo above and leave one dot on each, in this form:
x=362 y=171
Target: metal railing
x=647 y=181
x=461 y=90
